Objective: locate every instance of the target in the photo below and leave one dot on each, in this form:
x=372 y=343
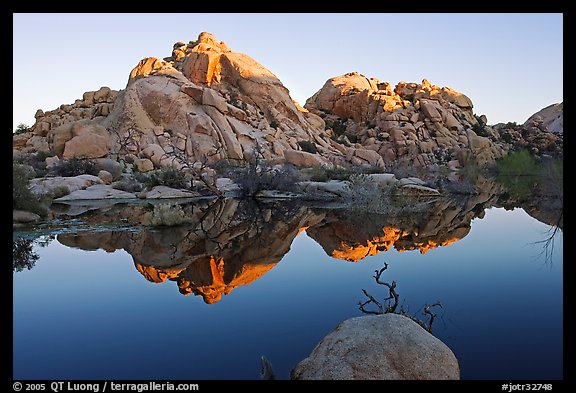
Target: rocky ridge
x=207 y=103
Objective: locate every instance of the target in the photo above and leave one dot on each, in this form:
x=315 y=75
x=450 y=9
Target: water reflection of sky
x=90 y=314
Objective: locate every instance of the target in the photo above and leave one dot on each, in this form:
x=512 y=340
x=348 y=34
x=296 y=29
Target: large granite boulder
x=387 y=346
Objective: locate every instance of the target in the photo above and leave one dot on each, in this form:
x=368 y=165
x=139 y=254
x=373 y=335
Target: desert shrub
x=75 y=166
x=141 y=177
x=507 y=137
x=38 y=162
x=22 y=197
x=168 y=215
x=225 y=167
x=128 y=185
x=519 y=163
x=264 y=176
x=308 y=146
x=21 y=128
x=323 y=174
x=519 y=173
x=169 y=177
x=368 y=195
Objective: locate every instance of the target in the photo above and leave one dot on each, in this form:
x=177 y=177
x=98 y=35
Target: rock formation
x=206 y=103
x=413 y=124
x=542 y=134
x=383 y=347
x=549 y=119
x=228 y=244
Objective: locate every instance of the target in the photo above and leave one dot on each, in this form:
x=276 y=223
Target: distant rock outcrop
x=550 y=119
x=542 y=133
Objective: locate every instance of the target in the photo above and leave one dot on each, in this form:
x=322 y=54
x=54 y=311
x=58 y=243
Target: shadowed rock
x=382 y=347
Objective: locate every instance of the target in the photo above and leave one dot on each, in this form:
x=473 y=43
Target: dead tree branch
x=392 y=301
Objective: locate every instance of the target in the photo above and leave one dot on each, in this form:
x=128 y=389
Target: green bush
x=520 y=173
x=519 y=163
x=339 y=173
x=308 y=146
x=21 y=128
x=169 y=177
x=75 y=166
x=22 y=197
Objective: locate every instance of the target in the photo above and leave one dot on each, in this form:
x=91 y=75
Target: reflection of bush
x=23 y=256
x=520 y=173
x=168 y=215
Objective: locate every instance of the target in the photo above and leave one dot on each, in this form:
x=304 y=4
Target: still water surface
x=92 y=310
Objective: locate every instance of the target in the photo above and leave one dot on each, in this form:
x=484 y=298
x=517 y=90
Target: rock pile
x=205 y=103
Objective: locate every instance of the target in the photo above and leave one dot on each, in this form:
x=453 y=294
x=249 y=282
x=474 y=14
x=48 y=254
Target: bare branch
x=392 y=302
x=370 y=300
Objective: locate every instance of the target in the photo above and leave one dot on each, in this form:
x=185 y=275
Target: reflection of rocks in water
x=546 y=203
x=434 y=223
x=231 y=243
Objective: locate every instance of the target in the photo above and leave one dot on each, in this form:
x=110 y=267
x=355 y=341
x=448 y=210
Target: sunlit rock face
x=418 y=124
x=205 y=103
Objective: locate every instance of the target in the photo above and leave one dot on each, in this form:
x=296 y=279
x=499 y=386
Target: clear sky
x=510 y=65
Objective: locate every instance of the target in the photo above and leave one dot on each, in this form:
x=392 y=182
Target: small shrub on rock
x=75 y=166
x=21 y=128
x=169 y=177
x=264 y=176
x=128 y=185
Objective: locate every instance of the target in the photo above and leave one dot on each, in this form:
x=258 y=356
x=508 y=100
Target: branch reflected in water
x=548 y=243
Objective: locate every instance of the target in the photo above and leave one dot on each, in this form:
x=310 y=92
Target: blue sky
x=510 y=65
